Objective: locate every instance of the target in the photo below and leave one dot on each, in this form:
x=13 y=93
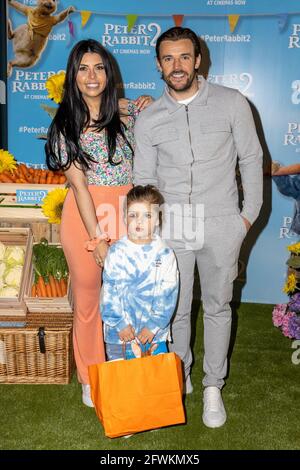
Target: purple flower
x=294 y=327
x=278 y=314
x=285 y=324
x=294 y=303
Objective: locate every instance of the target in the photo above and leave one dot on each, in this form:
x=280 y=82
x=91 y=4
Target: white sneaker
x=86 y=395
x=214 y=414
x=188 y=385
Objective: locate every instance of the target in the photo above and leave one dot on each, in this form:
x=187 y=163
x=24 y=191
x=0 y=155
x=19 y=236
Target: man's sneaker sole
x=214 y=425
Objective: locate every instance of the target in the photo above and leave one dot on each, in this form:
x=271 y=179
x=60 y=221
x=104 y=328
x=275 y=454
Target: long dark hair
x=73 y=116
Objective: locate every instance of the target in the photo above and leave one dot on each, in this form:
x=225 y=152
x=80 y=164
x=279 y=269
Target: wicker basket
x=21 y=359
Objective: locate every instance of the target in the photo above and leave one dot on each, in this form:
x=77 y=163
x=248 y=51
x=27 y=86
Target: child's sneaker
x=86 y=395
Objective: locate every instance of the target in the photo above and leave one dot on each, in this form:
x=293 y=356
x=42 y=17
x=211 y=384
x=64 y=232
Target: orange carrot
x=49 y=177
x=58 y=288
x=6 y=179
x=16 y=173
x=53 y=286
x=30 y=177
x=36 y=178
x=23 y=171
x=55 y=179
x=48 y=290
x=33 y=290
x=42 y=287
x=64 y=287
x=62 y=179
x=38 y=291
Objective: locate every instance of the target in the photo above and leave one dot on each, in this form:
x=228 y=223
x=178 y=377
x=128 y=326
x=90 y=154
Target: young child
x=140 y=282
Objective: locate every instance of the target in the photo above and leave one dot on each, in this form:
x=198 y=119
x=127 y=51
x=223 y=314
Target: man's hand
x=145 y=336
x=127 y=334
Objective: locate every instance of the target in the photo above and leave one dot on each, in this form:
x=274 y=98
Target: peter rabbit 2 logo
x=141 y=35
x=294 y=39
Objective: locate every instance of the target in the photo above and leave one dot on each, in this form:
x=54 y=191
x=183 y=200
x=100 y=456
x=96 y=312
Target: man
x=187 y=143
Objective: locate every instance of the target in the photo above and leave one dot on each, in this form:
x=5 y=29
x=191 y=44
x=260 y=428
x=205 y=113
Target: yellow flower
x=295 y=248
x=7 y=161
x=53 y=204
x=290 y=284
x=55 y=86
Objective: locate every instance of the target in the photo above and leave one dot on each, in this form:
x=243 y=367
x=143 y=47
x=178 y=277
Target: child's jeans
x=133 y=350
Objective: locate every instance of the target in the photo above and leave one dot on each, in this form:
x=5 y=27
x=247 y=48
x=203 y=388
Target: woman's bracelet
x=91 y=244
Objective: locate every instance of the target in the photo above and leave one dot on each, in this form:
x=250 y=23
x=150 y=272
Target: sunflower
x=7 y=161
x=294 y=248
x=55 y=86
x=290 y=284
x=53 y=204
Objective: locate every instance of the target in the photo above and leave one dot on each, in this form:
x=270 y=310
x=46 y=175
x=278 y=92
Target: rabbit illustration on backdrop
x=30 y=39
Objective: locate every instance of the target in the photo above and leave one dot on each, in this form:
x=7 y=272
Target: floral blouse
x=101 y=172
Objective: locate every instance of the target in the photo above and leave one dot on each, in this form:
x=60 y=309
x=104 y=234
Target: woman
x=93 y=145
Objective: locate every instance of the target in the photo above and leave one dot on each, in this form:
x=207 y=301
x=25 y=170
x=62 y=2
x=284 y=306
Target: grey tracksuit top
x=190 y=152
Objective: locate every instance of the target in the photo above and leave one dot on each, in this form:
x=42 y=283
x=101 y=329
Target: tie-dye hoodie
x=140 y=288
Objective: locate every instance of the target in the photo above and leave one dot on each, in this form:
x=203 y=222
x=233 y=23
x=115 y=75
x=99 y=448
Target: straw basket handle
x=41 y=334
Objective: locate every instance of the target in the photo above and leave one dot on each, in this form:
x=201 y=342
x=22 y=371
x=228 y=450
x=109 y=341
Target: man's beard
x=180 y=87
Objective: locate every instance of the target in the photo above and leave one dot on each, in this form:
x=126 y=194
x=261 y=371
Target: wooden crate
x=15 y=306
x=13 y=214
x=8 y=193
x=39 y=229
x=47 y=304
x=24 y=361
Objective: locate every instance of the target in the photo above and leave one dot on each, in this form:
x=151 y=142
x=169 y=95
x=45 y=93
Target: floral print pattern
x=101 y=172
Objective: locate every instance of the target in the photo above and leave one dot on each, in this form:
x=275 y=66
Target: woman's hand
x=143 y=101
x=100 y=252
x=123 y=106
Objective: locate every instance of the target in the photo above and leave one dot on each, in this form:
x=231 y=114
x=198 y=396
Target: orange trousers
x=86 y=274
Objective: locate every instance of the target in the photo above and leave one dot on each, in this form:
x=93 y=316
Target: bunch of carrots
x=49 y=287
x=50 y=271
x=24 y=174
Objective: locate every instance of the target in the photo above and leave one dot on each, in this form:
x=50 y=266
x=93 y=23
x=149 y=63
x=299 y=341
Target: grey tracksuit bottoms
x=217 y=262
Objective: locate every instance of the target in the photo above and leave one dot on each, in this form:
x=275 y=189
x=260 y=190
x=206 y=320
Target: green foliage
x=49 y=259
x=261 y=398
x=293 y=262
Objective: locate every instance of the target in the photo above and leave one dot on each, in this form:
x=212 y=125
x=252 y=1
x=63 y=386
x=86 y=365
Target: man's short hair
x=176 y=33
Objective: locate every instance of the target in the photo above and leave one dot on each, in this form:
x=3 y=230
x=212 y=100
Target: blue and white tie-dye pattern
x=140 y=288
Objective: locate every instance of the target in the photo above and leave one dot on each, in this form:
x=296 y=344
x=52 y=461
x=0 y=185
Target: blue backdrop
x=259 y=56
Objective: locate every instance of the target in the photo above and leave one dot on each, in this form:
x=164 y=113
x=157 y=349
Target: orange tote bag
x=139 y=394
